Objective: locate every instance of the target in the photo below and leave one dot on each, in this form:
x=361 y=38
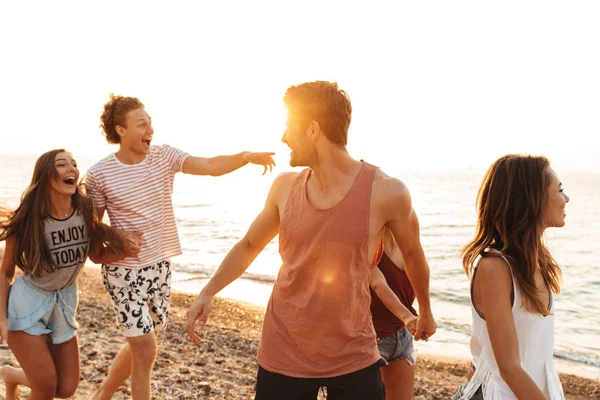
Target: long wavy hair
x=510 y=204
x=26 y=224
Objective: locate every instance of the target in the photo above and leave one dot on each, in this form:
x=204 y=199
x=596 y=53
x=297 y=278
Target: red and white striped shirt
x=138 y=197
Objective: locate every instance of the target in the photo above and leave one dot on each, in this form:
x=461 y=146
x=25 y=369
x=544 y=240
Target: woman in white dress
x=513 y=276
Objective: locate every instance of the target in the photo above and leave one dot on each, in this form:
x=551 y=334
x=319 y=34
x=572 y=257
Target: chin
x=296 y=163
x=139 y=150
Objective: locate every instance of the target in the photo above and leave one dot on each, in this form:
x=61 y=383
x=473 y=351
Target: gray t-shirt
x=69 y=244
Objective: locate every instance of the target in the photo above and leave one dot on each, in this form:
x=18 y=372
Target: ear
x=120 y=130
x=313 y=130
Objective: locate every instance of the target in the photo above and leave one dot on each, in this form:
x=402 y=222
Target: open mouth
x=69 y=181
x=147 y=141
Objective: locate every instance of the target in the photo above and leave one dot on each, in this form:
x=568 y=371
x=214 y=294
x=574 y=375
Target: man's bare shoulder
x=385 y=186
x=285 y=178
x=282 y=184
x=390 y=197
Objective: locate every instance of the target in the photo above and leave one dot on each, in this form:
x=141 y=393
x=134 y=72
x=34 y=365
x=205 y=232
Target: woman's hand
x=410 y=321
x=133 y=243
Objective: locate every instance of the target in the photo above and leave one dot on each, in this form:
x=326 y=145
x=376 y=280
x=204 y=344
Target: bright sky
x=433 y=84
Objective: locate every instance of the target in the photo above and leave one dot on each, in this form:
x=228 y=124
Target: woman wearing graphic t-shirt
x=49 y=237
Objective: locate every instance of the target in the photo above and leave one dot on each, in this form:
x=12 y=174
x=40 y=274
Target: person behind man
x=330 y=219
x=394 y=332
x=135 y=185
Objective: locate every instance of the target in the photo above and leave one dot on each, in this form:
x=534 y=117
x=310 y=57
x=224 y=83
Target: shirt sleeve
x=175 y=157
x=94 y=191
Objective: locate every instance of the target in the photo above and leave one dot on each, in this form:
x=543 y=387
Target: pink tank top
x=318 y=322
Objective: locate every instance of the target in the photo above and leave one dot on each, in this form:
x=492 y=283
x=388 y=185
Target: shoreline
x=447 y=343
x=224 y=365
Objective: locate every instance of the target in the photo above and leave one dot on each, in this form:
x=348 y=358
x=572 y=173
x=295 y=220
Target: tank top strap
x=516 y=292
x=296 y=194
x=360 y=193
x=368 y=173
x=300 y=181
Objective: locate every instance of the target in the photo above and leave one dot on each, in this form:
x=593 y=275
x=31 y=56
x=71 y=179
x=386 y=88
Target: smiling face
x=64 y=180
x=136 y=134
x=554 y=210
x=303 y=151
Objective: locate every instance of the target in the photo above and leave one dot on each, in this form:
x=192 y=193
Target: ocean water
x=214 y=213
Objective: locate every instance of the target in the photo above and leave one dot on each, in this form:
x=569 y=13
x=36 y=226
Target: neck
x=333 y=167
x=127 y=156
x=61 y=206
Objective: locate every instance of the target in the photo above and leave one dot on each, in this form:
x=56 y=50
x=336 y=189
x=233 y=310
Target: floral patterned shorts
x=140 y=297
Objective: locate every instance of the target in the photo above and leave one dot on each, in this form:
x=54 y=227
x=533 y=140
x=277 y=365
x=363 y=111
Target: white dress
x=535 y=334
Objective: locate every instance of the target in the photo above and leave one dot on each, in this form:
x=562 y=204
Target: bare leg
x=119 y=372
x=399 y=380
x=33 y=354
x=66 y=362
x=13 y=377
x=143 y=355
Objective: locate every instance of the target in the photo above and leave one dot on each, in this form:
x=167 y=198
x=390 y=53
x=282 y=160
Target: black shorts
x=364 y=384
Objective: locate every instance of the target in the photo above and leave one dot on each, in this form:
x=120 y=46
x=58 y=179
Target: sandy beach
x=224 y=365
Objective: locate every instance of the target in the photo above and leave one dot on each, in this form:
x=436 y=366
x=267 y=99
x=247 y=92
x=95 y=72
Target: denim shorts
x=41 y=312
x=460 y=393
x=398 y=346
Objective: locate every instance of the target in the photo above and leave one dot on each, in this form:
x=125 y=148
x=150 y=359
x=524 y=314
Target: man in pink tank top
x=318 y=331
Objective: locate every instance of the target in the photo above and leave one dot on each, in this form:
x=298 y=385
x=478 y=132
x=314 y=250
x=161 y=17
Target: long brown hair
x=26 y=223
x=510 y=205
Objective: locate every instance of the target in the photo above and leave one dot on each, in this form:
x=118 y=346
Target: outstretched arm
x=264 y=228
x=221 y=165
x=404 y=225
